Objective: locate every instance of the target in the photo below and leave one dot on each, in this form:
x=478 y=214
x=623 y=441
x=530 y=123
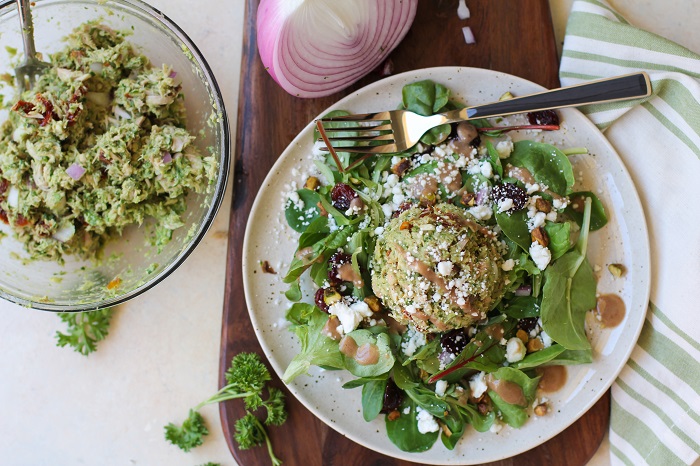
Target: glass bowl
x=130 y=265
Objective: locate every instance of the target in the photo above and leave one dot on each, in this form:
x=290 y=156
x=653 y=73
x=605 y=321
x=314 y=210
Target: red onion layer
x=314 y=48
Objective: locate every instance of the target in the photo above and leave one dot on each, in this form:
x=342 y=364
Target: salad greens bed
x=437 y=384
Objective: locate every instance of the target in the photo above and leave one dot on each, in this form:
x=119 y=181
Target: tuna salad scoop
x=437 y=268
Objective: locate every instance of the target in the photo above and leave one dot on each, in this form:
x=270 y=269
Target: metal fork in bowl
x=31 y=67
x=398 y=130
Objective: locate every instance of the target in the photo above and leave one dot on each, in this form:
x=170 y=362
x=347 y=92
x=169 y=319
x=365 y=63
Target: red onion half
x=314 y=48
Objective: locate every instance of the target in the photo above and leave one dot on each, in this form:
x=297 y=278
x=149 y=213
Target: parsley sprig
x=246 y=379
x=84 y=330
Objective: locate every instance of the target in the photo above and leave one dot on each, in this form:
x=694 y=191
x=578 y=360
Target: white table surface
x=161 y=357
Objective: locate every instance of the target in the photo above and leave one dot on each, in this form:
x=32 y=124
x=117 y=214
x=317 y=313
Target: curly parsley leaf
x=190 y=434
x=84 y=330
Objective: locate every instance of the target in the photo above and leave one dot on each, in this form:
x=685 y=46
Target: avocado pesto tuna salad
x=451 y=280
x=100 y=143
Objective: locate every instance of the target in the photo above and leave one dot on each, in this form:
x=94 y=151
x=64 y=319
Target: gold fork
x=398 y=130
x=32 y=67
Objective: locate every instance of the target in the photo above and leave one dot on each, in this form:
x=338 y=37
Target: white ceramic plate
x=624 y=240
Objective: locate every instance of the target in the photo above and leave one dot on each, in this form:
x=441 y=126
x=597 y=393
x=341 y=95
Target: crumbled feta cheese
x=350 y=315
x=532 y=188
x=407 y=410
x=540 y=255
x=537 y=221
x=552 y=216
x=560 y=204
x=426 y=421
x=481 y=212
x=504 y=148
x=496 y=427
x=515 y=350
x=477 y=384
x=486 y=169
x=444 y=268
x=440 y=387
x=414 y=341
x=505 y=204
x=546 y=339
x=508 y=265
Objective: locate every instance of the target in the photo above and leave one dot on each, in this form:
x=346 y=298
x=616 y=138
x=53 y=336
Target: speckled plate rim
x=627 y=240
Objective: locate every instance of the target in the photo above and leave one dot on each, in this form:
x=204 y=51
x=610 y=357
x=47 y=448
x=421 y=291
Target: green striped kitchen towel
x=656 y=399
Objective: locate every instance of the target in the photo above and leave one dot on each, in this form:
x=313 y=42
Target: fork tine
x=359 y=129
x=381 y=149
x=380 y=137
x=379 y=116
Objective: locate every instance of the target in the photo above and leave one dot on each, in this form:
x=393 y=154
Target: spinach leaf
x=386 y=357
x=420 y=169
x=480 y=422
x=547 y=164
x=456 y=425
x=316 y=348
x=598 y=217
x=514 y=226
x=364 y=380
x=529 y=385
x=425 y=97
x=403 y=431
x=554 y=355
x=569 y=292
x=373 y=398
x=428 y=401
x=521 y=307
x=299 y=217
x=559 y=238
x=494 y=159
x=436 y=135
x=513 y=415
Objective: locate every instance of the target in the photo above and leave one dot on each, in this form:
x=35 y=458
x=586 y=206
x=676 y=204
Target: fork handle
x=25 y=21
x=629 y=86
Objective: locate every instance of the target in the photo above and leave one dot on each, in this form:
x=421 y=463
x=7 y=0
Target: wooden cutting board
x=515 y=37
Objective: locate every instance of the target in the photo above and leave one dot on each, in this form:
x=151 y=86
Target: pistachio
x=331 y=296
x=541 y=409
x=543 y=205
x=401 y=167
x=312 y=183
x=374 y=304
x=540 y=236
x=617 y=270
x=534 y=345
x=522 y=334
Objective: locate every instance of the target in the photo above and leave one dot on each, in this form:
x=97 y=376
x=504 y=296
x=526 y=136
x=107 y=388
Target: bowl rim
x=222 y=178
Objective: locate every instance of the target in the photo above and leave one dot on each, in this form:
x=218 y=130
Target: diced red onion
x=167 y=157
x=463 y=10
x=316 y=48
x=525 y=290
x=482 y=196
x=75 y=171
x=172 y=74
x=468 y=35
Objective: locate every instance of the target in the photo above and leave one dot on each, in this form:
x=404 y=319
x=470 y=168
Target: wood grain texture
x=512 y=36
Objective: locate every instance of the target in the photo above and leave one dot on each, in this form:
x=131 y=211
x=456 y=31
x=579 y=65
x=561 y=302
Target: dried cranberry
x=543 y=117
x=335 y=261
x=4 y=184
x=454 y=341
x=318 y=300
x=393 y=396
x=527 y=324
x=342 y=195
x=3 y=217
x=402 y=208
x=510 y=191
